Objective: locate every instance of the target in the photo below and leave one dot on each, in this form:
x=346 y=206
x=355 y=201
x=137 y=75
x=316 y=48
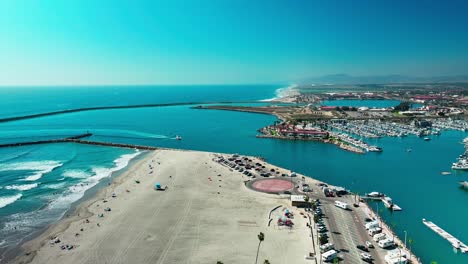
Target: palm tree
x=261 y=237
x=219 y=262
x=266 y=261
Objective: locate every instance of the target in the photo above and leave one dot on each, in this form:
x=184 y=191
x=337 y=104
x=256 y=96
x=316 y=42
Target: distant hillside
x=380 y=79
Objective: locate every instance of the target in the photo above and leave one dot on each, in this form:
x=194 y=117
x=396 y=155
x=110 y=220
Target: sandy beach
x=205 y=215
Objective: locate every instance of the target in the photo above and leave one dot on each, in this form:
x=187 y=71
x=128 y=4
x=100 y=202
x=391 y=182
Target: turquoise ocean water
x=38 y=183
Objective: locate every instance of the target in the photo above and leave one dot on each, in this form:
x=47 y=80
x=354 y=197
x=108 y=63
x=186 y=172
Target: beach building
x=305 y=133
x=363 y=109
x=328 y=108
x=299 y=201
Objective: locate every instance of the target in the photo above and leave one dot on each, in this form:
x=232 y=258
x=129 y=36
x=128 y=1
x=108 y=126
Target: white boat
x=375 y=194
x=460 y=165
x=374 y=149
x=426 y=139
x=178 y=137
x=464 y=184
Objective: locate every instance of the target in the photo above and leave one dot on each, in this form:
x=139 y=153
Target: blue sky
x=219 y=41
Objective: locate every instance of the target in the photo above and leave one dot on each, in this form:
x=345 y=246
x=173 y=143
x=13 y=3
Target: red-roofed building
x=328 y=108
x=304 y=133
x=427 y=97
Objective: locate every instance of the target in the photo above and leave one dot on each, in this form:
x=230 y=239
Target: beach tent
x=157 y=185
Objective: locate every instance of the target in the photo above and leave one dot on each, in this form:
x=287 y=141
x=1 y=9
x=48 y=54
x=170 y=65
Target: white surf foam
x=56 y=186
x=78 y=174
x=77 y=191
x=6 y=200
x=23 y=187
x=39 y=167
x=283 y=92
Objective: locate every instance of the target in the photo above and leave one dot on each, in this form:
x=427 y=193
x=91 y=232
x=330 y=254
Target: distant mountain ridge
x=380 y=79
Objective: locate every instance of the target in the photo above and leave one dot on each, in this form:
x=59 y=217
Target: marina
x=462 y=160
x=457 y=244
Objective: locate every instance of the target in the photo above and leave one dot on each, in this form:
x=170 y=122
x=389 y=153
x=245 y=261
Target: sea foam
x=23 y=187
x=78 y=174
x=77 y=191
x=39 y=167
x=283 y=92
x=6 y=200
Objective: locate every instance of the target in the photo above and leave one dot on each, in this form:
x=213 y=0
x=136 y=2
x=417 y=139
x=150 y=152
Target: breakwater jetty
x=95 y=108
x=48 y=141
x=110 y=144
x=79 y=140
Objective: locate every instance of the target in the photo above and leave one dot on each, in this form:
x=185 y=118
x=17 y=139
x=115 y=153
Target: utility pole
x=405 y=237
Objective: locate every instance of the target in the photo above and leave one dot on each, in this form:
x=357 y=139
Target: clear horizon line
x=129 y=84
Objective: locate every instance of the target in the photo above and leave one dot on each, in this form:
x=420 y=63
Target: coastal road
x=346 y=228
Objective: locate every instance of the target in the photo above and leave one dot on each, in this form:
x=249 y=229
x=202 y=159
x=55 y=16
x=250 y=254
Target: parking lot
x=346 y=228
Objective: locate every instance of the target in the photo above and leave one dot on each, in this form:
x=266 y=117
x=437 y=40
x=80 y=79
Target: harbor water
x=35 y=180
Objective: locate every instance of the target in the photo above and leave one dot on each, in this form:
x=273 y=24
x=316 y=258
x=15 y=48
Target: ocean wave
x=78 y=174
x=56 y=186
x=283 y=92
x=6 y=200
x=40 y=168
x=23 y=187
x=77 y=191
x=16 y=156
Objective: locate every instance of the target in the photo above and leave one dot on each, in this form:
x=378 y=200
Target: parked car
x=362 y=247
x=369 y=244
x=321 y=229
x=366 y=257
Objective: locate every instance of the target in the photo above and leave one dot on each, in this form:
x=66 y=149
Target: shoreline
x=35 y=249
x=71 y=213
x=83 y=210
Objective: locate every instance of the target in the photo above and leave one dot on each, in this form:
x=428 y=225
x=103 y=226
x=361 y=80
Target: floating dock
x=453 y=240
x=387 y=201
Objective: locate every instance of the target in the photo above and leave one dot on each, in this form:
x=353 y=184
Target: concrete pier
x=453 y=240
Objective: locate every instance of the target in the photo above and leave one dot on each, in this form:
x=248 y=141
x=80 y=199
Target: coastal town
x=423 y=111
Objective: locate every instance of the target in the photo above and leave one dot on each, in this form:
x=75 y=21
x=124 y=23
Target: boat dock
x=453 y=240
x=387 y=201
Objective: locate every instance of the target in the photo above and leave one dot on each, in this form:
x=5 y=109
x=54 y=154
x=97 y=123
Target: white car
x=366 y=256
x=369 y=244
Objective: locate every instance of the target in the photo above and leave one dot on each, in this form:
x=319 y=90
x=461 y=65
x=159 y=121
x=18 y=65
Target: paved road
x=346 y=228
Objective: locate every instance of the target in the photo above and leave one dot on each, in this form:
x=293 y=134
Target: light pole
x=405 y=237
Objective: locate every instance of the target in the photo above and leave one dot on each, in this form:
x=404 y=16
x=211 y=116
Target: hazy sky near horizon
x=53 y=42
